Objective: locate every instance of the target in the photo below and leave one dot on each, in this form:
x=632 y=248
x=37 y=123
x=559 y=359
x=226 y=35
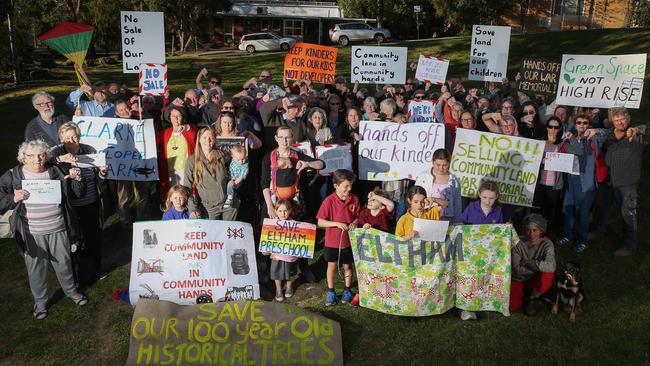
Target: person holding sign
x=441 y=184
x=178 y=143
x=549 y=186
x=417 y=208
x=45 y=233
x=283 y=266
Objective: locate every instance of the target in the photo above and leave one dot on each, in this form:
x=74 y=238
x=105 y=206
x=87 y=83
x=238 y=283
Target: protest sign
x=226 y=143
x=42 y=191
x=152 y=79
x=561 y=162
x=488 y=59
x=379 y=65
x=511 y=162
x=337 y=156
x=143 y=39
x=420 y=111
x=306 y=61
x=180 y=260
x=129 y=146
x=601 y=81
x=430 y=230
x=91 y=160
x=304 y=147
x=470 y=270
x=432 y=69
x=288 y=237
x=538 y=76
x=232 y=333
x=392 y=151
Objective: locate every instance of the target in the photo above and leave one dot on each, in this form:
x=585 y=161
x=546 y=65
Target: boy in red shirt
x=378 y=211
x=339 y=213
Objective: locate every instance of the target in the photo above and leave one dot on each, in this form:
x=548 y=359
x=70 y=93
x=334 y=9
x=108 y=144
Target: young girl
x=378 y=211
x=486 y=209
x=416 y=200
x=283 y=266
x=176 y=204
x=439 y=183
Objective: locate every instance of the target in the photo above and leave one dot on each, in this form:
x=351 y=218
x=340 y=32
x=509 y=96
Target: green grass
x=613 y=329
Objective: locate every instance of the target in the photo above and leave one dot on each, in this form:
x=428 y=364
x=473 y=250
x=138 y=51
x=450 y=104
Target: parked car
x=265 y=42
x=344 y=33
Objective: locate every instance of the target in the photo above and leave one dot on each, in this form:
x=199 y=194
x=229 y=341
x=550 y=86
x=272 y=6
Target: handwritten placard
x=42 y=191
x=288 y=237
x=538 y=76
x=488 y=59
x=337 y=156
x=420 y=111
x=432 y=69
x=306 y=61
x=430 y=230
x=561 y=162
x=143 y=39
x=153 y=79
x=379 y=65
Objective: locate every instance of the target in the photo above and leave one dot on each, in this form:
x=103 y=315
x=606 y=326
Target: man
x=98 y=107
x=210 y=110
x=283 y=112
x=192 y=105
x=45 y=126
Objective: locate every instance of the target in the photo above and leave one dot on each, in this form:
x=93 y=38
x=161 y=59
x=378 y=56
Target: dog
x=569 y=290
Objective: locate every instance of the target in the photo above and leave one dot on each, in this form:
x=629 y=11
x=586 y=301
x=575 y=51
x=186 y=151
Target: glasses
x=408 y=84
x=581 y=122
x=400 y=94
x=529 y=112
x=215 y=82
x=264 y=76
x=44 y=104
x=418 y=97
x=553 y=127
x=466 y=120
x=507 y=125
x=335 y=103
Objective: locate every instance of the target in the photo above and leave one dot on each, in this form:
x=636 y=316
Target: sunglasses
x=399 y=94
x=335 y=103
x=408 y=84
x=418 y=97
x=265 y=76
x=553 y=127
x=215 y=82
x=582 y=122
x=529 y=113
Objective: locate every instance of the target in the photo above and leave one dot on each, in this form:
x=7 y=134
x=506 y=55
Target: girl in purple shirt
x=176 y=203
x=486 y=209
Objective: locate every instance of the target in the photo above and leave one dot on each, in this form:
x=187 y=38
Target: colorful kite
x=72 y=41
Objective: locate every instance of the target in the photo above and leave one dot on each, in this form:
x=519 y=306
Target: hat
x=340 y=79
x=537 y=220
x=275 y=92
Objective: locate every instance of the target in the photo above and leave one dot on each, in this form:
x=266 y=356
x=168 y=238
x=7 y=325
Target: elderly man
x=98 y=107
x=283 y=112
x=192 y=105
x=45 y=126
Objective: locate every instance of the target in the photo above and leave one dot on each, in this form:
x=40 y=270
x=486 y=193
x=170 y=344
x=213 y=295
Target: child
x=378 y=210
x=283 y=266
x=238 y=171
x=339 y=213
x=286 y=181
x=439 y=183
x=176 y=203
x=416 y=200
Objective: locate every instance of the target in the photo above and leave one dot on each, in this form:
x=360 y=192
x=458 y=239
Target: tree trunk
x=12 y=44
x=187 y=43
x=590 y=22
x=173 y=39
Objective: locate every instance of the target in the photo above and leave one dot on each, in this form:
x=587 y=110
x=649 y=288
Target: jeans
x=577 y=205
x=601 y=210
x=626 y=197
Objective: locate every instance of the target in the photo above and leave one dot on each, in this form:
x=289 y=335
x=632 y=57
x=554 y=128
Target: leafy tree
x=460 y=15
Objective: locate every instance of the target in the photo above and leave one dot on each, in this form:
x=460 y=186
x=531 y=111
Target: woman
x=334 y=115
x=504 y=124
x=44 y=232
x=178 y=143
x=549 y=186
x=467 y=121
x=226 y=126
x=317 y=130
x=439 y=183
x=369 y=108
x=529 y=123
x=206 y=173
x=400 y=100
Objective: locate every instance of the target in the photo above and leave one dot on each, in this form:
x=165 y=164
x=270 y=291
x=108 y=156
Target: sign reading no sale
x=143 y=39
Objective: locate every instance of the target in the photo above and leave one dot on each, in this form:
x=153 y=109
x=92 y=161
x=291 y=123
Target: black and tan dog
x=569 y=290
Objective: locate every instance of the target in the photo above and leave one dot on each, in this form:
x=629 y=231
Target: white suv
x=265 y=42
x=343 y=33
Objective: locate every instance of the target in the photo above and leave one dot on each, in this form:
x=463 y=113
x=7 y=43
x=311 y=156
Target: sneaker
x=347 y=296
x=79 y=299
x=581 y=247
x=563 y=242
x=288 y=292
x=279 y=297
x=332 y=299
x=467 y=315
x=623 y=252
x=228 y=203
x=40 y=312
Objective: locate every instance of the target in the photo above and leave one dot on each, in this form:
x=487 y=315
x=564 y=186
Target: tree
x=462 y=14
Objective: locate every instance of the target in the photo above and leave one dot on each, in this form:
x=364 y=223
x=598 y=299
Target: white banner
x=420 y=111
x=511 y=162
x=129 y=146
x=601 y=81
x=378 y=65
x=392 y=151
x=143 y=39
x=488 y=58
x=335 y=157
x=561 y=162
x=152 y=79
x=179 y=260
x=432 y=69
x=304 y=147
x=42 y=191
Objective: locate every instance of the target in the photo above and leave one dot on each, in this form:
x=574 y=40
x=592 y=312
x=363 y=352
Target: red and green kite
x=72 y=41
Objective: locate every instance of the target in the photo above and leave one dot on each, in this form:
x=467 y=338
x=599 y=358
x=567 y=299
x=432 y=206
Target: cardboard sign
x=232 y=333
x=379 y=65
x=288 y=237
x=511 y=162
x=391 y=151
x=470 y=270
x=91 y=160
x=421 y=111
x=129 y=146
x=304 y=147
x=538 y=76
x=488 y=58
x=44 y=191
x=337 y=156
x=430 y=230
x=143 y=39
x=432 y=69
x=226 y=143
x=180 y=260
x=561 y=162
x=153 y=79
x=601 y=81
x=306 y=61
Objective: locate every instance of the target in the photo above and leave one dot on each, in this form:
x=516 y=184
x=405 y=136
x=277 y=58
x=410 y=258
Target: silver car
x=265 y=42
x=344 y=33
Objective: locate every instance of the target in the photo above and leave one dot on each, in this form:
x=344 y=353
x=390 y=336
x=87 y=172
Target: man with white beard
x=45 y=126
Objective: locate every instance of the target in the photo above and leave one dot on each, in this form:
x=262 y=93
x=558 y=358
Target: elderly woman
x=504 y=124
x=44 y=232
x=178 y=142
x=369 y=108
x=206 y=173
x=317 y=130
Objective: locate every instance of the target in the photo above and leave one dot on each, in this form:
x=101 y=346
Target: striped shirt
x=42 y=219
x=89 y=178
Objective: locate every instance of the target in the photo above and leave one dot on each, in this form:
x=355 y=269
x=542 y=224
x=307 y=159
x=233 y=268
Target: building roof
x=274 y=8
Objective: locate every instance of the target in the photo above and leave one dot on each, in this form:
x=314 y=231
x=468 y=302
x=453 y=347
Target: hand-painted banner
x=129 y=146
x=143 y=39
x=488 y=58
x=153 y=79
x=180 y=260
x=232 y=333
x=392 y=151
x=432 y=69
x=470 y=270
x=420 y=111
x=602 y=81
x=511 y=162
x=379 y=65
x=304 y=147
x=288 y=237
x=538 y=76
x=306 y=61
x=335 y=157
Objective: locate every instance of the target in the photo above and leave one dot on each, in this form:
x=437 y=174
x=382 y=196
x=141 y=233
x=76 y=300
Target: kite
x=72 y=41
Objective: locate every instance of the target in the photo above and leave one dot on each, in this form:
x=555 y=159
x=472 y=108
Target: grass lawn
x=613 y=329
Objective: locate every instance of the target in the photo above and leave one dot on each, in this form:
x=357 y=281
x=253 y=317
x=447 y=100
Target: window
x=569 y=7
x=293 y=28
x=271 y=25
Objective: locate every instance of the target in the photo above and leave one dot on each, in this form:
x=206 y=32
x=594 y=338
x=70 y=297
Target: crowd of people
x=268 y=177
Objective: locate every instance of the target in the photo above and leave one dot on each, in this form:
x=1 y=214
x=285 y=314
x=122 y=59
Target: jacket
x=527 y=260
x=272 y=119
x=33 y=131
x=212 y=191
x=163 y=169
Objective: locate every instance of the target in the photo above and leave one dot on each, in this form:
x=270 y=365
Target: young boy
x=339 y=213
x=378 y=211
